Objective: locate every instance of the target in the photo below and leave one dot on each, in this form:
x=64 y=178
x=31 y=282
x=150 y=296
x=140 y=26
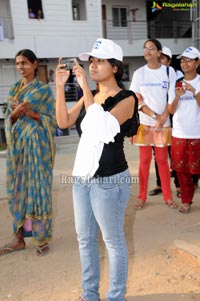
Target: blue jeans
x=101 y=203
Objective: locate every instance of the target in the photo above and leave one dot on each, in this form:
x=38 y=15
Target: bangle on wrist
x=36 y=116
x=13 y=118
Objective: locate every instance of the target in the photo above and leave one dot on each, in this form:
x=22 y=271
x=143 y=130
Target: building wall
x=55 y=35
x=58 y=35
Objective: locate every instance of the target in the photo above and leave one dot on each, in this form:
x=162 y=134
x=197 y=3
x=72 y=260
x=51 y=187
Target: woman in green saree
x=30 y=128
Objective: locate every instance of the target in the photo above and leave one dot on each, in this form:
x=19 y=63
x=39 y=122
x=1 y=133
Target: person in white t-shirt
x=152 y=84
x=185 y=148
x=165 y=59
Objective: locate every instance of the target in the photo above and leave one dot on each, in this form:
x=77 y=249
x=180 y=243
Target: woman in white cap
x=185 y=148
x=102 y=183
x=165 y=59
x=152 y=85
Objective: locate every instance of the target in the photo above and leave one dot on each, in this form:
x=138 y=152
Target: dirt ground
x=163 y=247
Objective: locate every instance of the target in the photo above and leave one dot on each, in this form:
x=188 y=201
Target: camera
x=179 y=84
x=69 y=63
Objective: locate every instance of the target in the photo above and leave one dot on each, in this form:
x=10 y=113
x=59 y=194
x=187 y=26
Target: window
x=126 y=77
x=119 y=16
x=35 y=10
x=78 y=10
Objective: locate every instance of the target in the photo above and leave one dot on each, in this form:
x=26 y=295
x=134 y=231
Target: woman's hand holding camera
x=62 y=74
x=80 y=75
x=180 y=89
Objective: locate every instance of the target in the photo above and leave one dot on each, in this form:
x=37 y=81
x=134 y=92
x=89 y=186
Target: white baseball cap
x=167 y=51
x=104 y=49
x=191 y=53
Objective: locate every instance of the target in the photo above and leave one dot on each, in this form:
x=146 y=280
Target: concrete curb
x=188 y=248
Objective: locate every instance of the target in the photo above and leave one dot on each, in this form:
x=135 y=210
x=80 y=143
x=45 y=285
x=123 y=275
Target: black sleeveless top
x=113 y=160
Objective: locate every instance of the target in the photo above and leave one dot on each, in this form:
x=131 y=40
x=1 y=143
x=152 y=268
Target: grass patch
x=3 y=146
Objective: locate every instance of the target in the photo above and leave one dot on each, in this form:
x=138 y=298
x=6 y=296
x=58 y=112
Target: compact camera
x=179 y=84
x=69 y=63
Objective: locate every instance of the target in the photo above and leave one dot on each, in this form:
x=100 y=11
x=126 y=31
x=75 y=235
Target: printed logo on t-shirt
x=187 y=97
x=164 y=84
x=150 y=85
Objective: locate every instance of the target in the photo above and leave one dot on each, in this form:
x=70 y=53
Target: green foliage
x=3 y=146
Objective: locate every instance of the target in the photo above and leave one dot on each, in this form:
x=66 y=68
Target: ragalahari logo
x=155 y=7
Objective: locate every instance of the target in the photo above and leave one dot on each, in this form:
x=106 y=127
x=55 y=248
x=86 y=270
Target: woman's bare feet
x=171 y=204
x=17 y=244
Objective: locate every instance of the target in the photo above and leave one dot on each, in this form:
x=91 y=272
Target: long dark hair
x=30 y=55
x=120 y=71
x=156 y=43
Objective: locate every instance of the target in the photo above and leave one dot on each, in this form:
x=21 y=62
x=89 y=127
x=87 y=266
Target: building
x=65 y=28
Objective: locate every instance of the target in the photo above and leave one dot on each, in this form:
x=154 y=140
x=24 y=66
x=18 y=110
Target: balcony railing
x=196 y=33
x=132 y=31
x=174 y=29
x=6 y=28
x=147 y=29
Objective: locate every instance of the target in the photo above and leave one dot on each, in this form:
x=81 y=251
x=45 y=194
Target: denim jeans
x=100 y=203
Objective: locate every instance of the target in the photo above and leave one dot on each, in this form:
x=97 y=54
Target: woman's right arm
x=173 y=106
x=65 y=118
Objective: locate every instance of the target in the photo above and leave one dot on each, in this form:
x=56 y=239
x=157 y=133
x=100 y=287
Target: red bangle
x=12 y=118
x=36 y=117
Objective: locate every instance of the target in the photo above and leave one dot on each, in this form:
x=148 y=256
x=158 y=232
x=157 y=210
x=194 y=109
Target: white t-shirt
x=154 y=85
x=179 y=74
x=186 y=119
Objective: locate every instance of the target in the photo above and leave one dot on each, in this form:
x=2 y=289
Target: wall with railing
x=133 y=30
x=147 y=29
x=136 y=30
x=196 y=33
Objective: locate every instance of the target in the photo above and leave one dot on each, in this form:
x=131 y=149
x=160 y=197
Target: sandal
x=155 y=191
x=139 y=205
x=178 y=194
x=185 y=208
x=42 y=250
x=9 y=249
x=171 y=204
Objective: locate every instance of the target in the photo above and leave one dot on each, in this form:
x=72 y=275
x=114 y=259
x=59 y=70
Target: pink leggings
x=161 y=157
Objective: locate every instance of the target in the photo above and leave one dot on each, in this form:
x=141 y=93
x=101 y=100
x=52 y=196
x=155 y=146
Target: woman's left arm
x=46 y=97
x=33 y=115
x=124 y=109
